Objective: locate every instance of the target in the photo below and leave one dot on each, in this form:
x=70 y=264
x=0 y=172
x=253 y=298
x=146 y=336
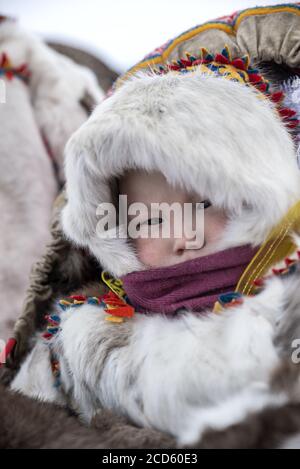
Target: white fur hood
x=204 y=133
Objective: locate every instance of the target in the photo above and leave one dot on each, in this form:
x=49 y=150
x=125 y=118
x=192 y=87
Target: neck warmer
x=194 y=284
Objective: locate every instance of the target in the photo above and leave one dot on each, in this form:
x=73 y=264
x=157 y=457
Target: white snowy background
x=120 y=32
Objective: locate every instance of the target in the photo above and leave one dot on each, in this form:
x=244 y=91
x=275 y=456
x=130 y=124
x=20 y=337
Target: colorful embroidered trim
x=115 y=304
x=278 y=246
x=229 y=24
x=9 y=72
x=238 y=70
x=52 y=327
x=231 y=299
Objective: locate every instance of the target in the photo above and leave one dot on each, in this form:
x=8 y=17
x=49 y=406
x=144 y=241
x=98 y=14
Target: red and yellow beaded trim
x=238 y=69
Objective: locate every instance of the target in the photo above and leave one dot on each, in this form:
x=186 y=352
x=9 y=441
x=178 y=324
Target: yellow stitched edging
x=277 y=236
x=185 y=36
x=163 y=57
x=258 y=254
x=230 y=29
x=264 y=11
x=264 y=264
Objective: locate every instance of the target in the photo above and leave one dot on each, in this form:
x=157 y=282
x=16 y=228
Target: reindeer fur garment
x=198 y=373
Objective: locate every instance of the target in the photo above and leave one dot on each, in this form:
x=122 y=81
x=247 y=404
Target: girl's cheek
x=214 y=225
x=151 y=251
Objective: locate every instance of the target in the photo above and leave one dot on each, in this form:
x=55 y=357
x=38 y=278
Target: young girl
x=169 y=350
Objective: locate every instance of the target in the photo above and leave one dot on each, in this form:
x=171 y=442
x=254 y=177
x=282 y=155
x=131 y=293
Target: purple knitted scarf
x=194 y=284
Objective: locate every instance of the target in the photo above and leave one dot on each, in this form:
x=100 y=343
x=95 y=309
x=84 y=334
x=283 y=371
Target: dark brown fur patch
x=27 y=423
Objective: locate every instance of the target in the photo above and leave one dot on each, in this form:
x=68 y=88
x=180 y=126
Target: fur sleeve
x=179 y=375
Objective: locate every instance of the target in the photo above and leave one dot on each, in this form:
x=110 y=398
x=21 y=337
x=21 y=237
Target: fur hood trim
x=206 y=134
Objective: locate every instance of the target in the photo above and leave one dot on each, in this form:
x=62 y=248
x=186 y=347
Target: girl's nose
x=179 y=245
x=182 y=244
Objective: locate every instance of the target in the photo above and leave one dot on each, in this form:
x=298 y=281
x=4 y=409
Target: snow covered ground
x=120 y=32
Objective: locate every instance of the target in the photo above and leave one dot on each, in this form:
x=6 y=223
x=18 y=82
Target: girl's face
x=160 y=251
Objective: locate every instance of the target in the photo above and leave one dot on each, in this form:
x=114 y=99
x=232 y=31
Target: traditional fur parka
x=197 y=372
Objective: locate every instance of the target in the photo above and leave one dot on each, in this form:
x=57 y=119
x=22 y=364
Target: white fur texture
x=207 y=134
x=291 y=88
x=48 y=105
x=198 y=371
x=56 y=86
x=27 y=190
x=181 y=376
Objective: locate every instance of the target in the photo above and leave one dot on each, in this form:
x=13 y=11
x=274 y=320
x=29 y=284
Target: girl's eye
x=154 y=221
x=206 y=203
x=151 y=221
